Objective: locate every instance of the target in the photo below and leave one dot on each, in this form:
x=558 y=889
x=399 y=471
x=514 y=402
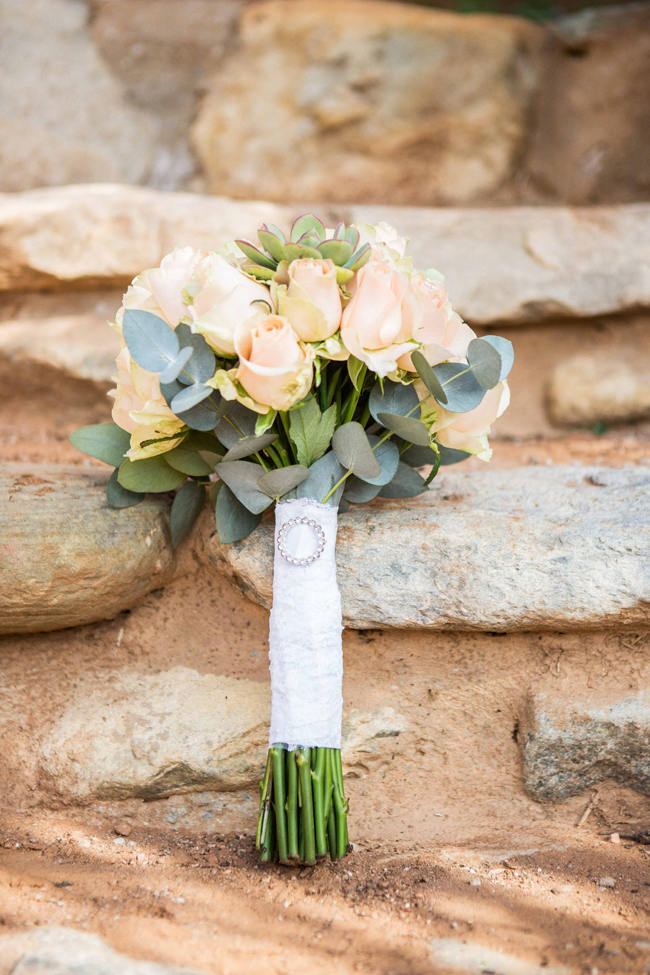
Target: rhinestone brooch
x=282 y=539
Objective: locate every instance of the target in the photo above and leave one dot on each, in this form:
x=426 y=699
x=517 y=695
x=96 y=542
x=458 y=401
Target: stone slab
x=503 y=266
x=530 y=548
x=66 y=558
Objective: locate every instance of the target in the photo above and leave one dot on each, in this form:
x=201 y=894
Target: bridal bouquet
x=315 y=371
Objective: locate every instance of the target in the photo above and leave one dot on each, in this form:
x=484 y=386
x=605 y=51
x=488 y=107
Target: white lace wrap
x=305 y=652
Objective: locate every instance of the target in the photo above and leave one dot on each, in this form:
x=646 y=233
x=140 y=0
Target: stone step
x=498 y=550
x=503 y=266
x=66 y=558
x=528 y=548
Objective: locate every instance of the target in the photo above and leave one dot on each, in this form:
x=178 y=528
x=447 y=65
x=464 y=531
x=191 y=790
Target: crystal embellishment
x=282 y=541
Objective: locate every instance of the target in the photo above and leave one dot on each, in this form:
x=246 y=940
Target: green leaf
x=190 y=396
x=186 y=508
x=205 y=415
x=359 y=258
x=250 y=445
x=407 y=483
x=356 y=372
x=338 y=251
x=119 y=497
x=306 y=223
x=310 y=430
x=428 y=377
x=188 y=460
x=151 y=341
x=448 y=455
x=237 y=422
x=264 y=421
x=256 y=256
x=352 y=448
x=359 y=491
x=323 y=475
x=258 y=272
x=242 y=476
x=150 y=475
x=505 y=350
x=352 y=235
x=463 y=391
x=170 y=372
x=387 y=455
x=234 y=521
x=406 y=427
x=272 y=244
x=485 y=362
x=295 y=252
x=103 y=441
x=284 y=479
x=394 y=398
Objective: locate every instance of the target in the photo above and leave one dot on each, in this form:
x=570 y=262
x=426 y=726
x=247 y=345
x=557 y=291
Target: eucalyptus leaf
x=186 y=508
x=118 y=496
x=358 y=492
x=103 y=441
x=206 y=415
x=323 y=475
x=278 y=482
x=234 y=521
x=310 y=430
x=202 y=363
x=170 y=389
x=241 y=476
x=153 y=474
x=428 y=377
x=485 y=362
x=237 y=422
x=170 y=372
x=387 y=454
x=190 y=396
x=150 y=340
x=449 y=455
x=250 y=445
x=406 y=427
x=188 y=461
x=407 y=483
x=352 y=448
x=395 y=398
x=505 y=350
x=463 y=390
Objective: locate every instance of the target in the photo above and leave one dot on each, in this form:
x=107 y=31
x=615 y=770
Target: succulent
x=308 y=238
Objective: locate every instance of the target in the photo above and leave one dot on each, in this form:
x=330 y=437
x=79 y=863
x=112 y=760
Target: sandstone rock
x=527 y=263
x=469 y=958
x=63 y=951
x=66 y=558
x=530 y=548
x=371 y=101
x=177 y=731
x=571 y=743
x=586 y=389
x=589 y=144
x=64 y=117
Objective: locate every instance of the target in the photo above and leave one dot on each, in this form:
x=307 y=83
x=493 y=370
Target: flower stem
x=279 y=801
x=318 y=782
x=308 y=832
x=292 y=806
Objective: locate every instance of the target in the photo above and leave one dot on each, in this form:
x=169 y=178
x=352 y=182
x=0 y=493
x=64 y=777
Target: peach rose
x=223 y=298
x=161 y=289
x=469 y=431
x=312 y=300
x=441 y=333
x=377 y=325
x=140 y=409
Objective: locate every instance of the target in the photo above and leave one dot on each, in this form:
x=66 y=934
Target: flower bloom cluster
x=269 y=335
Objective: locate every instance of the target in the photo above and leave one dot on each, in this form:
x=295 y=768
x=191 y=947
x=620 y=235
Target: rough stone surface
x=63 y=951
x=370 y=100
x=589 y=143
x=63 y=115
x=527 y=263
x=587 y=389
x=572 y=742
x=471 y=958
x=177 y=731
x=66 y=558
x=530 y=548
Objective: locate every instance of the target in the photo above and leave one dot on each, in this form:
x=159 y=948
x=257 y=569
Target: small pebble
x=607 y=882
x=614 y=838
x=123 y=829
x=475 y=882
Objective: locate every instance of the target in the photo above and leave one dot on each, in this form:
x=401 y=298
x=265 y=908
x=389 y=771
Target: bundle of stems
x=303 y=809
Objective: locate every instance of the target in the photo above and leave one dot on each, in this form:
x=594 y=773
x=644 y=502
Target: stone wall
x=362 y=100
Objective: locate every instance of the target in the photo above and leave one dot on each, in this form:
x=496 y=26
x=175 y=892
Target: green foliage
x=310 y=430
x=407 y=483
x=186 y=507
x=152 y=475
x=234 y=521
x=353 y=451
x=323 y=475
x=119 y=497
x=103 y=441
x=152 y=343
x=281 y=481
x=242 y=477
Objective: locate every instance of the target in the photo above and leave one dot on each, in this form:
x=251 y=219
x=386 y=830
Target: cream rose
x=275 y=369
x=223 y=299
x=161 y=289
x=312 y=300
x=469 y=431
x=140 y=408
x=377 y=325
x=441 y=333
